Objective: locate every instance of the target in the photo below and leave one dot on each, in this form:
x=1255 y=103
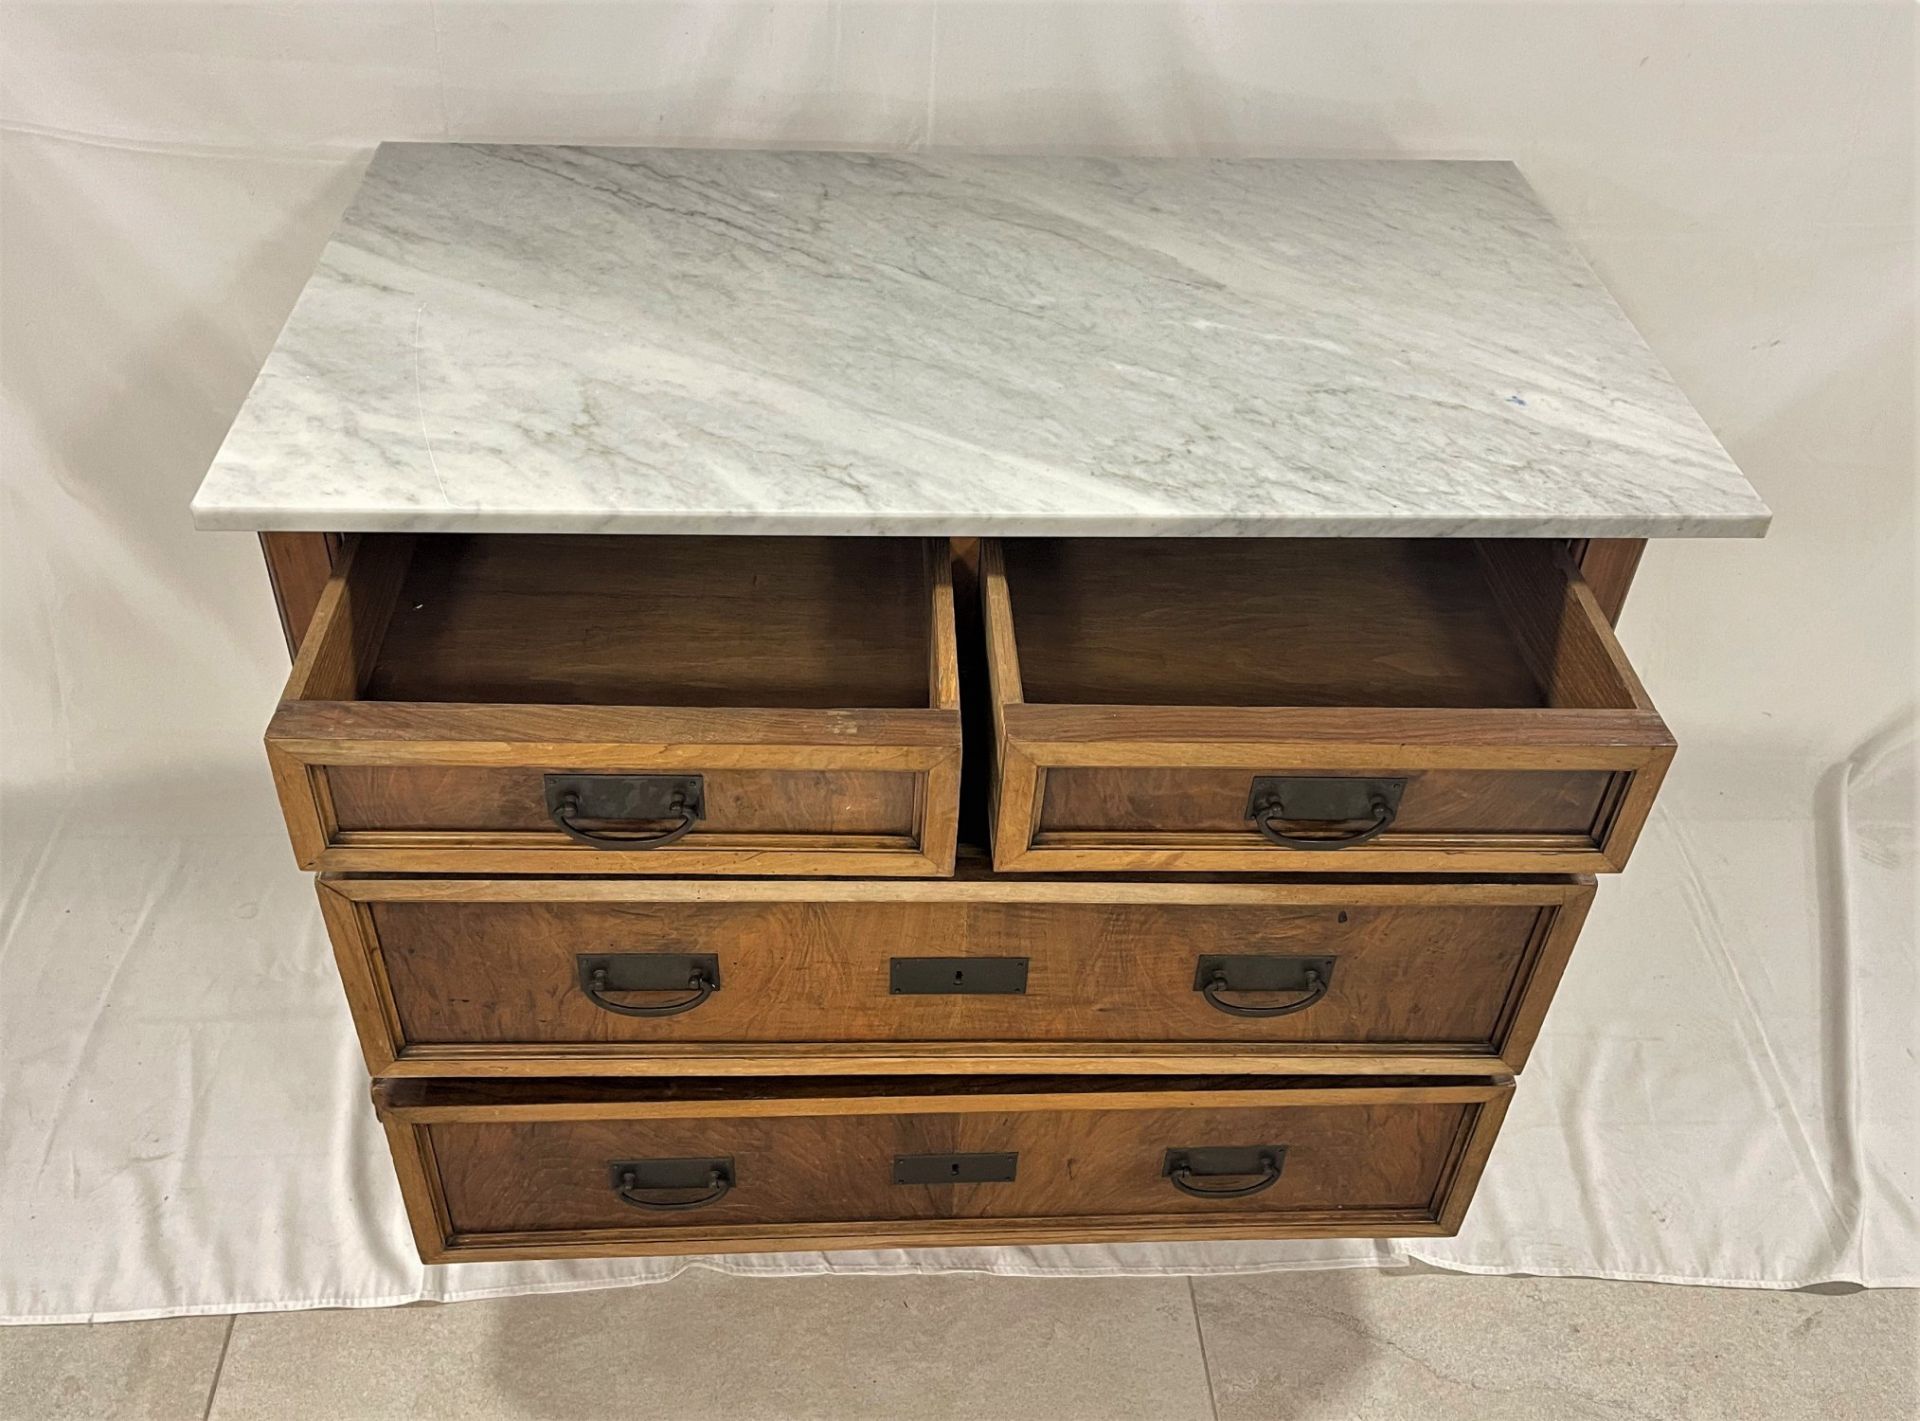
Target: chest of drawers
x=733 y=999
x=953 y=701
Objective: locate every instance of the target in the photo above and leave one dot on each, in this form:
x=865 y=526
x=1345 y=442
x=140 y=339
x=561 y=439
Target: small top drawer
x=650 y=705
x=1365 y=705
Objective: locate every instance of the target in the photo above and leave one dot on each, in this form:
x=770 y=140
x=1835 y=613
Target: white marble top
x=665 y=340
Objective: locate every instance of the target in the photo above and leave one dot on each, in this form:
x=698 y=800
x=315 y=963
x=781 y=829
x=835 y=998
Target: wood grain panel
x=810 y=623
x=478 y=800
x=1083 y=800
x=1608 y=566
x=298 y=566
x=1559 y=626
x=800 y=972
x=1261 y=622
x=521 y=1171
x=438 y=1102
x=350 y=620
x=838 y=1169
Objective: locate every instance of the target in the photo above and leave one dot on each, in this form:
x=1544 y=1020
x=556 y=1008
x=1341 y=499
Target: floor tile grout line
x=1200 y=1336
x=220 y=1366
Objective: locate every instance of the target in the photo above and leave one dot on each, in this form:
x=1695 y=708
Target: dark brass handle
x=627 y=1184
x=1181 y=1174
x=701 y=984
x=1315 y=990
x=1383 y=815
x=567 y=806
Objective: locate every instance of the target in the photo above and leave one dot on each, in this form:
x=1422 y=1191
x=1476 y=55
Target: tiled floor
x=1273 y=1346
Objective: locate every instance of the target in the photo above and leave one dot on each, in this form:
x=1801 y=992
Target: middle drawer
x=975 y=974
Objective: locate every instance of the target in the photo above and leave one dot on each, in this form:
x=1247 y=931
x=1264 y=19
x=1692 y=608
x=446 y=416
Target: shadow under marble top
x=518 y=339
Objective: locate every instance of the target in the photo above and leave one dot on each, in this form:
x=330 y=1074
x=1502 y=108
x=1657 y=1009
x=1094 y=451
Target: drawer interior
x=805 y=623
x=1302 y=622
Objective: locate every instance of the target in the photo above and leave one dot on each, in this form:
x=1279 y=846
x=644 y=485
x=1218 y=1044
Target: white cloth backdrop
x=1725 y=1090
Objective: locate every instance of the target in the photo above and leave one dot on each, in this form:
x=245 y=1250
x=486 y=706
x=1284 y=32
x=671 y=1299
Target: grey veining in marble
x=652 y=340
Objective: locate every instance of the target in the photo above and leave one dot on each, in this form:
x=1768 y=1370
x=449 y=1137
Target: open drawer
x=1365 y=705
x=551 y=1169
x=629 y=705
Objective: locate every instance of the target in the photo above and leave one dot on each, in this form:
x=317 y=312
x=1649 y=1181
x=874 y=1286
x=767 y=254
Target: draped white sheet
x=1725 y=1090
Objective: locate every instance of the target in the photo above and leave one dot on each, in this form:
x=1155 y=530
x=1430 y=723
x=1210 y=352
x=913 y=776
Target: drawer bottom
x=553 y=1169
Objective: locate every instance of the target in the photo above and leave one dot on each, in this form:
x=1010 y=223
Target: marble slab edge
x=284 y=519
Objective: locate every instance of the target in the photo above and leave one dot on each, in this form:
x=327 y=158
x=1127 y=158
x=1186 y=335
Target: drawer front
x=521 y=1177
x=1459 y=708
x=876 y=809
x=451 y=976
x=449 y=698
x=1567 y=804
x=823 y=804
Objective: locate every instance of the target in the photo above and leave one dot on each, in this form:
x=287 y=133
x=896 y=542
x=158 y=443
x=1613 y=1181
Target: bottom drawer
x=582 y=1168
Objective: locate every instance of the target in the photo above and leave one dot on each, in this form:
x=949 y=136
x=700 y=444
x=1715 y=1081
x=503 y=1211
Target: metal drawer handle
x=1316 y=988
x=627 y=1186
x=701 y=984
x=1335 y=800
x=1382 y=817
x=1216 y=974
x=626 y=797
x=599 y=973
x=568 y=807
x=1182 y=1168
x=1182 y=1178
